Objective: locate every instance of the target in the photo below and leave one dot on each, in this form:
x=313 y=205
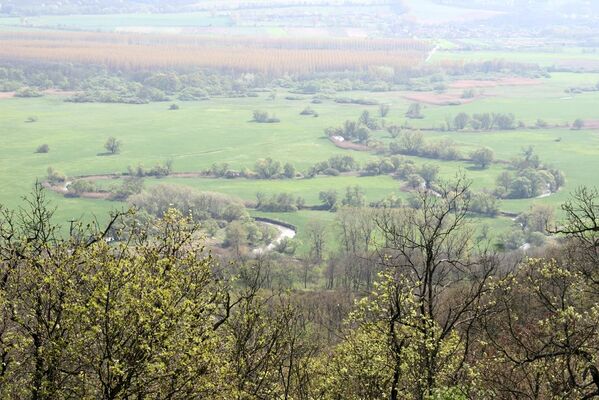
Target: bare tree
x=429 y=256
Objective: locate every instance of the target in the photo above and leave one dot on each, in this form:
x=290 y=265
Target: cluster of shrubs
x=28 y=92
x=356 y=131
x=263 y=117
x=481 y=122
x=334 y=166
x=528 y=178
x=362 y=102
x=483 y=203
x=582 y=89
x=54 y=177
x=354 y=197
x=265 y=168
x=308 y=111
x=213 y=211
x=412 y=143
x=159 y=170
x=390 y=201
x=282 y=202
x=200 y=205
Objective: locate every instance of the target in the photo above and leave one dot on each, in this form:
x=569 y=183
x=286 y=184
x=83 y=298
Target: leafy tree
x=316 y=234
x=394 y=131
x=384 y=110
x=539 y=218
x=354 y=197
x=329 y=199
x=484 y=203
x=44 y=148
x=289 y=170
x=54 y=176
x=461 y=121
x=236 y=236
x=415 y=181
x=84 y=318
x=415 y=111
x=267 y=168
x=578 y=124
x=429 y=172
x=112 y=145
x=521 y=188
x=483 y=157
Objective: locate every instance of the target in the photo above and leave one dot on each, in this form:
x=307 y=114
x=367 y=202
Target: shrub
x=482 y=157
x=308 y=111
x=27 y=92
x=79 y=187
x=415 y=111
x=173 y=107
x=44 y=148
x=578 y=124
x=54 y=176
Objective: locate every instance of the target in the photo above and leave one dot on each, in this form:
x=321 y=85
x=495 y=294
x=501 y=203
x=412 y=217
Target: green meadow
x=220 y=130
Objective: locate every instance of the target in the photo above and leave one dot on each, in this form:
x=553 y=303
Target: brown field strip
x=276 y=56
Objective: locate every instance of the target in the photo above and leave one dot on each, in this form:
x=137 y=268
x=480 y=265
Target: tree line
x=417 y=311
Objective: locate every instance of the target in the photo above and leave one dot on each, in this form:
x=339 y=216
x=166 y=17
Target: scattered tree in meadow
x=54 y=177
x=329 y=199
x=415 y=111
x=482 y=157
x=578 y=124
x=112 y=145
x=264 y=118
x=44 y=148
x=384 y=110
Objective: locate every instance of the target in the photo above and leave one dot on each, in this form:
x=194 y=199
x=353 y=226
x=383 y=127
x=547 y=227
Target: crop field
x=275 y=56
x=220 y=130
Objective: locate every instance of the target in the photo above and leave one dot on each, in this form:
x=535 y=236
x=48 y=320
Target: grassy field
x=114 y=22
x=220 y=130
x=557 y=56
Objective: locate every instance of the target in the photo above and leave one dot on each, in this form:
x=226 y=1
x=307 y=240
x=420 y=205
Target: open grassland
x=220 y=130
x=574 y=58
x=114 y=22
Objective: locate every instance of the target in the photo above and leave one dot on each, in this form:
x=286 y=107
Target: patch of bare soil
x=349 y=145
x=96 y=195
x=471 y=84
x=440 y=99
x=6 y=95
x=580 y=64
x=591 y=124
